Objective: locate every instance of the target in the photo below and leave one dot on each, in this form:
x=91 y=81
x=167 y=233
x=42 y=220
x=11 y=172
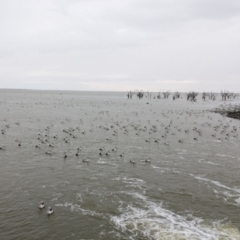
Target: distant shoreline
x=53 y=90
x=68 y=90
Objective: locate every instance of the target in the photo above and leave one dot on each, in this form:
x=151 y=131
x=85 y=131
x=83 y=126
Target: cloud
x=215 y=9
x=119 y=43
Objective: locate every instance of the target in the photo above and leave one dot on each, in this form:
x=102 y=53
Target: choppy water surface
x=190 y=189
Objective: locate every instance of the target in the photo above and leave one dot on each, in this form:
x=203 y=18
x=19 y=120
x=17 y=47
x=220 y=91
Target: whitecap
x=156 y=222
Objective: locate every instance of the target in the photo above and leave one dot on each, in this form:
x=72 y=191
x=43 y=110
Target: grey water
x=116 y=168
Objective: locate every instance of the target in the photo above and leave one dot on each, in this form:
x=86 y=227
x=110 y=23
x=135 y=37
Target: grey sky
x=120 y=45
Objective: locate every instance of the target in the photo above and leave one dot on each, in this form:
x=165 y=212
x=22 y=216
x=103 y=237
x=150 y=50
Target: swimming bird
x=41 y=205
x=48 y=152
x=50 y=211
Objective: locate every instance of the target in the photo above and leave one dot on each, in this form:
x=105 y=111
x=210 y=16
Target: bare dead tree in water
x=176 y=95
x=139 y=94
x=224 y=95
x=149 y=95
x=211 y=95
x=130 y=94
x=166 y=94
x=204 y=95
x=231 y=95
x=191 y=96
x=235 y=95
x=227 y=95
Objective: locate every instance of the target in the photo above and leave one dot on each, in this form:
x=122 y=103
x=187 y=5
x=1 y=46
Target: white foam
x=223 y=156
x=79 y=197
x=130 y=180
x=207 y=162
x=229 y=195
x=57 y=196
x=211 y=163
x=77 y=208
x=101 y=162
x=155 y=167
x=156 y=222
x=71 y=206
x=215 y=183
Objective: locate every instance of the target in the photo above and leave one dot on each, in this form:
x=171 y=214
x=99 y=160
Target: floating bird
x=41 y=205
x=50 y=211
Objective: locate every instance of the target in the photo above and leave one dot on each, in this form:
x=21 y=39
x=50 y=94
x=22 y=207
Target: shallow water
x=190 y=189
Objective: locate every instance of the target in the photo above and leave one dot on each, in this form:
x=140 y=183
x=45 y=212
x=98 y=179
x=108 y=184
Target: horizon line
x=70 y=90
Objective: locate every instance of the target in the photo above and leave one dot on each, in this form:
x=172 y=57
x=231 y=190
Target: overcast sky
x=120 y=45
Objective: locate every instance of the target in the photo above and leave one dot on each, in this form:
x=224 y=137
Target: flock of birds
x=158 y=128
x=110 y=130
x=42 y=205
